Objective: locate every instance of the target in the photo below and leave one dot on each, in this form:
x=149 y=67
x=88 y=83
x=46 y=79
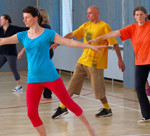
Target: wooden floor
x=124 y=104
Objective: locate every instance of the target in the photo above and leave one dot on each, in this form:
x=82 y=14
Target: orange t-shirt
x=140 y=38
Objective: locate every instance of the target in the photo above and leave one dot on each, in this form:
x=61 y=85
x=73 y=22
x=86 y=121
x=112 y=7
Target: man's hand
x=121 y=65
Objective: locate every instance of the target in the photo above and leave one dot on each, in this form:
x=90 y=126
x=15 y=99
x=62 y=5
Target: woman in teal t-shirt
x=36 y=42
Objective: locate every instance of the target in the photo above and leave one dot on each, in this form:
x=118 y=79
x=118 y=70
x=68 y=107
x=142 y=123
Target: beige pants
x=96 y=77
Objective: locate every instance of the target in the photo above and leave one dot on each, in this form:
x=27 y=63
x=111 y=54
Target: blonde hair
x=44 y=15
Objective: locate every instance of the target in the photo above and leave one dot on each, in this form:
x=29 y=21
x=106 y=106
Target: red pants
x=33 y=96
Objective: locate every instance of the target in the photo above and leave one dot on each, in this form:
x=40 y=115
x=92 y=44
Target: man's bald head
x=94 y=8
x=93 y=14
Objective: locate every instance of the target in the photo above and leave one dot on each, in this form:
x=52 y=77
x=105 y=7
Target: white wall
x=66 y=17
x=113 y=70
x=149 y=78
x=65 y=58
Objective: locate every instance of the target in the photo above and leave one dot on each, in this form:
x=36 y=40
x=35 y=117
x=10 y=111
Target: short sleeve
x=52 y=35
x=79 y=33
x=126 y=33
x=111 y=41
x=20 y=36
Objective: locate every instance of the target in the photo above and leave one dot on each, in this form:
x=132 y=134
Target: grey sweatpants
x=12 y=61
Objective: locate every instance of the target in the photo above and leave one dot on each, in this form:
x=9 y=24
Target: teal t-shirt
x=40 y=67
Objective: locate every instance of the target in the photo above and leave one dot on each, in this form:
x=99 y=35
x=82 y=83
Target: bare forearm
x=23 y=50
x=117 y=50
x=110 y=35
x=76 y=44
x=106 y=36
x=68 y=36
x=120 y=61
x=71 y=43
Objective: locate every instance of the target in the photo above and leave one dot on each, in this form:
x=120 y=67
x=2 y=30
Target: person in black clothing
x=44 y=22
x=8 y=53
x=47 y=94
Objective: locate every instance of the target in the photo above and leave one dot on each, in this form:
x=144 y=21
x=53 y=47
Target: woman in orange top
x=139 y=33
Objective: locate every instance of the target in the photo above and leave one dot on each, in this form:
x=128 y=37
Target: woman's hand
x=93 y=40
x=21 y=53
x=96 y=48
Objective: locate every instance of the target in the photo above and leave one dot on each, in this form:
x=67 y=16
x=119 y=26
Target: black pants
x=141 y=75
x=12 y=61
x=48 y=93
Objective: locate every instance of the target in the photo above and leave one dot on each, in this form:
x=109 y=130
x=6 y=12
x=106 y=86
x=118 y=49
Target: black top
x=10 y=49
x=45 y=26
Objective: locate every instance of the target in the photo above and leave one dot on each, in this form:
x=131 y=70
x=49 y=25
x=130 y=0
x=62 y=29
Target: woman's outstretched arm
x=76 y=44
x=9 y=40
x=106 y=36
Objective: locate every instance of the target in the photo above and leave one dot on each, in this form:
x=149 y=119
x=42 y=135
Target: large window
x=66 y=16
